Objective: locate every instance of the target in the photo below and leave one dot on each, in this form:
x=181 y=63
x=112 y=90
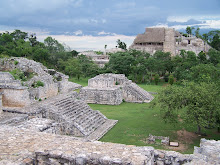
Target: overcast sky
x=90 y=24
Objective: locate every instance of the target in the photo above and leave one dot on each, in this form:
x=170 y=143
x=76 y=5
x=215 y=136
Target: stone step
x=101 y=130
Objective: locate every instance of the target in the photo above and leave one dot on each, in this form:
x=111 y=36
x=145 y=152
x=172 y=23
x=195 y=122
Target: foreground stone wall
x=22 y=146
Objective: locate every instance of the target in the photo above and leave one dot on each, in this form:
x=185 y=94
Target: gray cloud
x=127 y=17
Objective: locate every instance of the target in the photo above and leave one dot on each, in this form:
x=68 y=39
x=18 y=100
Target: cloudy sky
x=90 y=24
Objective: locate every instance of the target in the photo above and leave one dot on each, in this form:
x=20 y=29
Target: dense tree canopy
x=51 y=53
x=198 y=103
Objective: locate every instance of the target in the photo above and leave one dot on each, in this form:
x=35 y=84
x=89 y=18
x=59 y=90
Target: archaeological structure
x=112 y=89
x=52 y=107
x=167 y=40
x=48 y=124
x=101 y=59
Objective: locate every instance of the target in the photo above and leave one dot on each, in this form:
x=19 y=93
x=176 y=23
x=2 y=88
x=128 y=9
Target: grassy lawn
x=82 y=81
x=137 y=121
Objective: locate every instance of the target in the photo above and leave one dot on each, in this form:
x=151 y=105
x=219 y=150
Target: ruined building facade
x=167 y=40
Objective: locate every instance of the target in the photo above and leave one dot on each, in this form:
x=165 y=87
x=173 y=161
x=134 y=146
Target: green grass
x=137 y=121
x=82 y=81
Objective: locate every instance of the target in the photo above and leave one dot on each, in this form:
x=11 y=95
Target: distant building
x=101 y=59
x=167 y=40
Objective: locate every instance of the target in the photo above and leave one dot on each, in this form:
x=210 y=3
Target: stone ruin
x=168 y=40
x=164 y=140
x=52 y=108
x=20 y=94
x=101 y=59
x=36 y=133
x=113 y=89
x=28 y=147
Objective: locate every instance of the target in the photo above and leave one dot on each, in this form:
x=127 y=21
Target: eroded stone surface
x=24 y=93
x=23 y=146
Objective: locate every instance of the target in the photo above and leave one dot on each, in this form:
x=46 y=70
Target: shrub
x=166 y=77
x=156 y=79
x=37 y=84
x=171 y=79
x=16 y=62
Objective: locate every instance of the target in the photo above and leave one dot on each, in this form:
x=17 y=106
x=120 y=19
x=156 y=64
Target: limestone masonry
x=28 y=147
x=61 y=129
x=113 y=89
x=20 y=94
x=167 y=40
x=58 y=110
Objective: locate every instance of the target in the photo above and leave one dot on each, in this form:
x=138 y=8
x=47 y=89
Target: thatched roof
x=151 y=35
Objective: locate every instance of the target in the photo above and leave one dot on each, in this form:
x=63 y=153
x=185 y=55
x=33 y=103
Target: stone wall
x=22 y=146
x=107 y=80
x=15 y=97
x=169 y=43
x=111 y=96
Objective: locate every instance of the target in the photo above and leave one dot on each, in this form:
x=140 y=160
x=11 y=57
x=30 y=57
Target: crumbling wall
x=23 y=146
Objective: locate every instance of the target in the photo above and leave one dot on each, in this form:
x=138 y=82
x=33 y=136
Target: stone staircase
x=76 y=113
x=74 y=116
x=138 y=94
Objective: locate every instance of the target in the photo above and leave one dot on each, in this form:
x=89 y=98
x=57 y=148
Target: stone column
x=1 y=103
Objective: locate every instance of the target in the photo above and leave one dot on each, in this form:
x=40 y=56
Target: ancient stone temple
x=167 y=40
x=53 y=108
x=113 y=89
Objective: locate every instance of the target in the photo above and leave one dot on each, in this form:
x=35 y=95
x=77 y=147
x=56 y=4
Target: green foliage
x=16 y=62
x=171 y=79
x=18 y=75
x=214 y=56
x=166 y=77
x=37 y=84
x=156 y=79
x=189 y=30
x=197 y=103
x=204 y=73
x=121 y=44
x=99 y=52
